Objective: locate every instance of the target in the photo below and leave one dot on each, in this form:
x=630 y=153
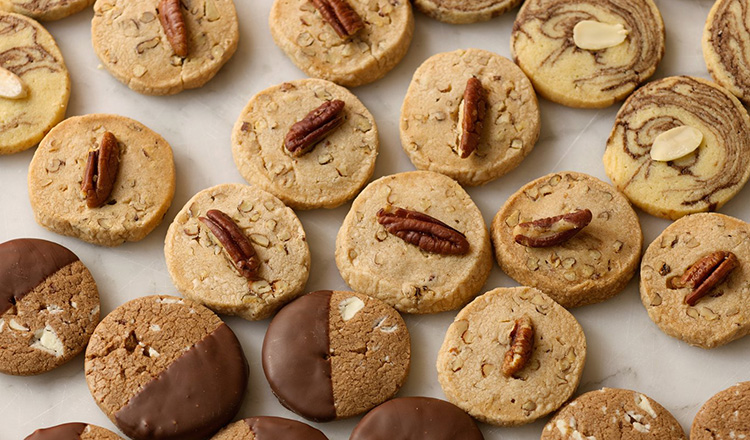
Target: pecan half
x=551 y=231
x=475 y=106
x=705 y=274
x=429 y=233
x=233 y=240
x=340 y=15
x=101 y=171
x=173 y=22
x=303 y=135
x=521 y=346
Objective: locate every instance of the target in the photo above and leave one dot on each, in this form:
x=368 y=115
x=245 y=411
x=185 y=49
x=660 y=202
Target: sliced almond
x=676 y=143
x=594 y=35
x=11 y=85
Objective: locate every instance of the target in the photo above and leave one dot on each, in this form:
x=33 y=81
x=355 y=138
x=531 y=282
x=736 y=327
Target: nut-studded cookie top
x=45 y=9
x=269 y=428
x=463 y=11
x=724 y=416
x=73 y=431
x=725 y=43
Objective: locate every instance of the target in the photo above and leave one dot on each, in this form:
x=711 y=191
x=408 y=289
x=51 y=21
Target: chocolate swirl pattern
x=726 y=46
x=45 y=9
x=462 y=11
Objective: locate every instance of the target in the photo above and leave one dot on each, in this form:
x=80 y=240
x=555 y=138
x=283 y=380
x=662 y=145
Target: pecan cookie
x=695 y=278
x=356 y=45
x=469 y=114
x=105 y=179
x=238 y=250
x=511 y=356
x=74 y=431
x=164 y=47
x=415 y=240
x=45 y=9
x=725 y=42
x=464 y=11
x=725 y=416
x=309 y=142
x=268 y=428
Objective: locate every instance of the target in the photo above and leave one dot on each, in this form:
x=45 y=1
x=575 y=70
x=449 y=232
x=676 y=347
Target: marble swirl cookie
x=268 y=428
x=45 y=10
x=33 y=74
x=142 y=187
x=543 y=45
x=433 y=110
x=73 y=431
x=464 y=11
x=314 y=46
x=133 y=46
x=164 y=368
x=726 y=46
x=721 y=315
x=546 y=344
x=725 y=416
x=337 y=167
x=702 y=180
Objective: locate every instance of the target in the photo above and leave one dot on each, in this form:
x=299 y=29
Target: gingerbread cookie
x=725 y=39
x=725 y=416
x=45 y=9
x=73 y=431
x=464 y=11
x=269 y=428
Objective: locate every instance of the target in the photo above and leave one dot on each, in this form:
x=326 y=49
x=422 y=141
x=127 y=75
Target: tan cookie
x=591 y=266
x=441 y=273
x=725 y=416
x=142 y=185
x=720 y=315
x=645 y=159
x=132 y=43
x=587 y=53
x=337 y=164
x=316 y=48
x=725 y=40
x=203 y=269
x=464 y=11
x=45 y=9
x=268 y=428
x=34 y=83
x=433 y=112
x=74 y=431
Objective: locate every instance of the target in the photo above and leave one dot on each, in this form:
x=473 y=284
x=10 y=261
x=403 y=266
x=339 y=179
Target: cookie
x=434 y=111
x=587 y=53
x=591 y=266
x=718 y=316
x=141 y=172
x=45 y=9
x=73 y=431
x=162 y=367
x=269 y=428
x=134 y=46
x=331 y=355
x=612 y=413
x=203 y=265
x=511 y=356
x=49 y=306
x=724 y=38
x=463 y=11
x=34 y=83
x=725 y=416
x=441 y=262
x=382 y=37
x=703 y=179
x=333 y=167
x=418 y=418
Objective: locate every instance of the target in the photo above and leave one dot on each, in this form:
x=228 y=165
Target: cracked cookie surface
x=74 y=431
x=45 y=10
x=268 y=428
x=725 y=416
x=464 y=11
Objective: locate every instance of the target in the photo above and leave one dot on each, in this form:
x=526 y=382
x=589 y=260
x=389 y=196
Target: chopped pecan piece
x=233 y=240
x=705 y=274
x=521 y=346
x=429 y=233
x=551 y=231
x=340 y=15
x=303 y=135
x=475 y=106
x=101 y=171
x=173 y=22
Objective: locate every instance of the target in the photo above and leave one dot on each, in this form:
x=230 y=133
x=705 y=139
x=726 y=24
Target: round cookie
x=543 y=45
x=45 y=9
x=590 y=267
x=317 y=49
x=378 y=263
x=73 y=431
x=268 y=428
x=202 y=268
x=331 y=355
x=433 y=109
x=724 y=416
x=157 y=363
x=725 y=39
x=332 y=173
x=473 y=368
x=464 y=11
x=132 y=44
x=142 y=190
x=703 y=180
x=720 y=316
x=29 y=56
x=612 y=413
x=49 y=306
x=416 y=418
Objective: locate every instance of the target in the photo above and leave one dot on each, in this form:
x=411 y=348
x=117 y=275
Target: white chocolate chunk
x=676 y=143
x=644 y=404
x=349 y=307
x=11 y=85
x=46 y=340
x=2 y=324
x=594 y=35
x=53 y=308
x=155 y=327
x=153 y=353
x=16 y=326
x=169 y=301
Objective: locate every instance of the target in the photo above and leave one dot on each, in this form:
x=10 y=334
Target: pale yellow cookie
x=45 y=10
x=464 y=11
x=725 y=40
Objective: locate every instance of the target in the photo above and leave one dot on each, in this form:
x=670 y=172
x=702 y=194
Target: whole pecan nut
x=706 y=273
x=475 y=107
x=551 y=231
x=173 y=22
x=340 y=15
x=521 y=346
x=235 y=243
x=101 y=171
x=422 y=230
x=305 y=134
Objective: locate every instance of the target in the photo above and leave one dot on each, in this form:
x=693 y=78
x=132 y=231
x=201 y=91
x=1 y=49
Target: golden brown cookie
x=725 y=416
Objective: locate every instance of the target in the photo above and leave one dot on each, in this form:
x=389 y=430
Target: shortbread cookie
x=313 y=44
x=464 y=11
x=202 y=264
x=574 y=64
x=511 y=356
x=612 y=413
x=332 y=355
x=593 y=265
x=49 y=306
x=717 y=314
x=161 y=367
x=725 y=39
x=45 y=9
x=725 y=416
x=425 y=208
x=703 y=179
x=418 y=418
x=337 y=164
x=434 y=109
x=269 y=428
x=74 y=431
x=34 y=83
x=142 y=185
x=132 y=44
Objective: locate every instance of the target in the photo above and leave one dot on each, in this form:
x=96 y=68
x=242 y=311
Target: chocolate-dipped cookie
x=73 y=431
x=725 y=416
x=725 y=43
x=268 y=428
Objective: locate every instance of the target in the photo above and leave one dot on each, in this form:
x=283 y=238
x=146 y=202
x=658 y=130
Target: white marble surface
x=625 y=348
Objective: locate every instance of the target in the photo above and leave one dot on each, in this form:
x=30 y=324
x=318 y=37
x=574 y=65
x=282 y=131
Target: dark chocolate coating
x=67 y=431
x=276 y=428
